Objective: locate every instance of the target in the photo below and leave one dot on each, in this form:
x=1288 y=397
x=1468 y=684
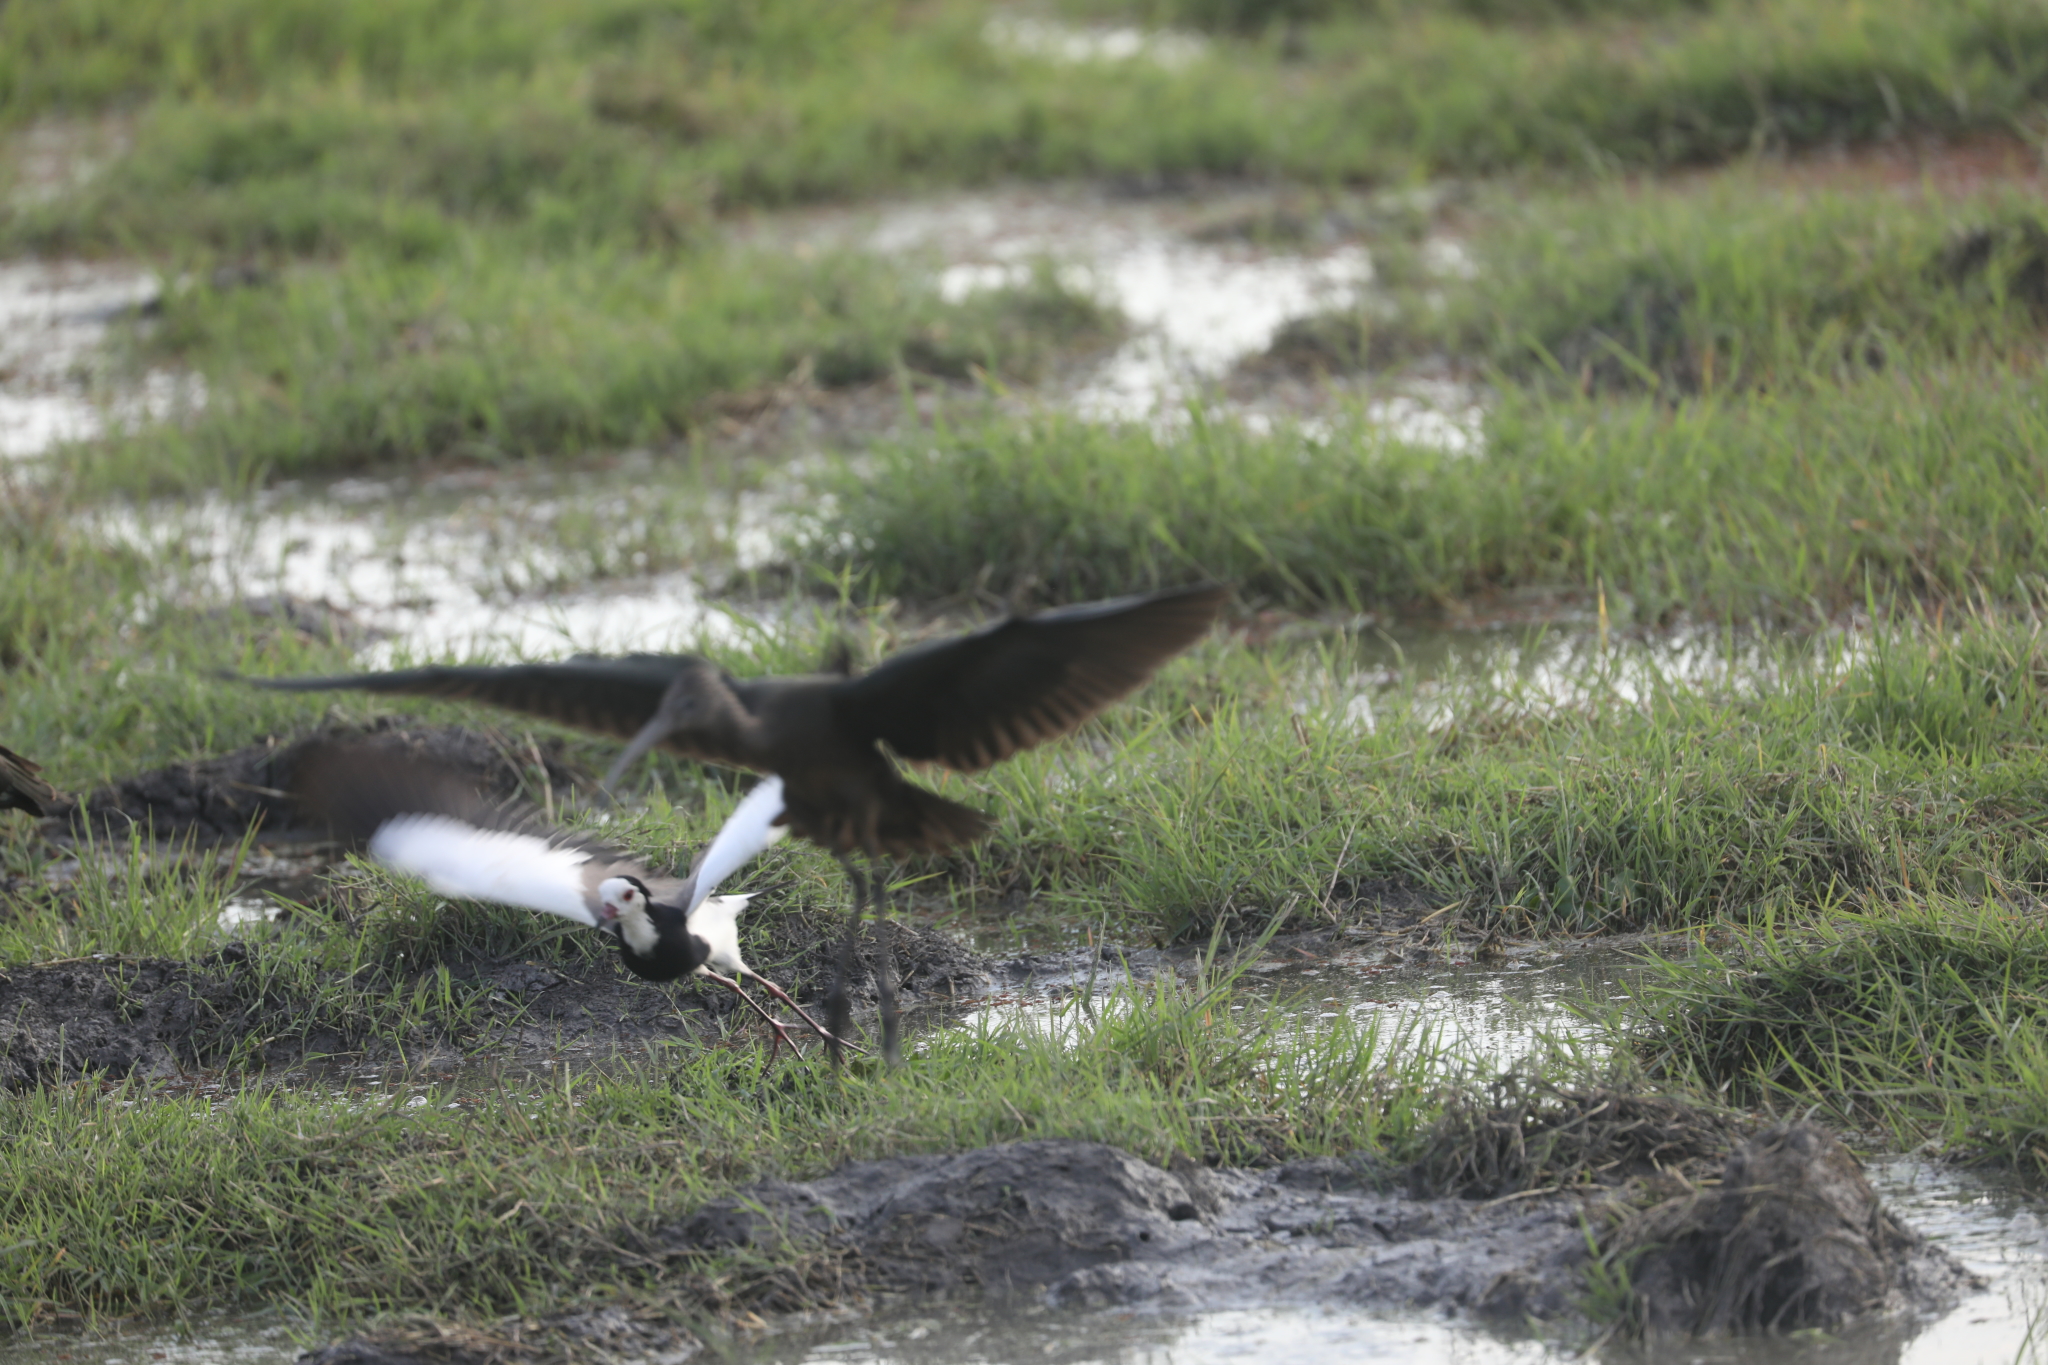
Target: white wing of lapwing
x=459 y=859
x=749 y=829
x=422 y=818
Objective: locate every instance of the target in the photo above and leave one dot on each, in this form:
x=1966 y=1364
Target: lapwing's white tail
x=717 y=922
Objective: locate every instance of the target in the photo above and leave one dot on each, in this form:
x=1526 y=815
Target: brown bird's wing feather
x=975 y=700
x=610 y=696
x=20 y=788
x=355 y=785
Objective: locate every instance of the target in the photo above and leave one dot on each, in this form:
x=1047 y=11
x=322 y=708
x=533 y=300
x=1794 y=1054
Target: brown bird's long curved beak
x=651 y=734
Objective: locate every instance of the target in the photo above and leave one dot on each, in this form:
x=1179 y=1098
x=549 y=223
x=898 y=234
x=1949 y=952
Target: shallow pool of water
x=1199 y=299
x=1489 y=1013
x=504 y=568
x=256 y=1339
x=54 y=382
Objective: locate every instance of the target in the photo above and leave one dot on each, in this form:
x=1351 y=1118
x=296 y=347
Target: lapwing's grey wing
x=611 y=696
x=20 y=788
x=420 y=817
x=973 y=701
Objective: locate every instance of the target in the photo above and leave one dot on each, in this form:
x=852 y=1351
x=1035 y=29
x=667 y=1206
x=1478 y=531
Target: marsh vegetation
x=1727 y=317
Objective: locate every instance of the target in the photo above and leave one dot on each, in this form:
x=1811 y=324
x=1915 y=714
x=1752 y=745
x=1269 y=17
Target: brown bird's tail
x=917 y=820
x=907 y=819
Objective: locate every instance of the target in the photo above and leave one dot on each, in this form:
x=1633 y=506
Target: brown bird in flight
x=20 y=787
x=964 y=703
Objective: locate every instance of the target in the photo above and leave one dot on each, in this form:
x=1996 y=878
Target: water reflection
x=1200 y=298
x=978 y=1336
x=506 y=569
x=253 y=1340
x=1562 y=661
x=54 y=381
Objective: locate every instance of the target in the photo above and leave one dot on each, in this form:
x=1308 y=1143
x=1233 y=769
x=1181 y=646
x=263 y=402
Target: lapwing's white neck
x=625 y=901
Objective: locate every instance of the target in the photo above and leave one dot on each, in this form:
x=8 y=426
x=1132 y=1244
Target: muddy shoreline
x=161 y=1019
x=1080 y=1226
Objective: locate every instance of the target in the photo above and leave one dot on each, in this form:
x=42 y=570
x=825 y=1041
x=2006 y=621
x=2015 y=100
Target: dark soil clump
x=216 y=800
x=1071 y=1224
x=1794 y=1239
x=62 y=1020
x=1079 y=1224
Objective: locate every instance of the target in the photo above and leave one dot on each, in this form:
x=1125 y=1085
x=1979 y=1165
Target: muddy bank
x=1794 y=1239
x=1081 y=1226
x=216 y=800
x=1084 y=1225
x=244 y=1007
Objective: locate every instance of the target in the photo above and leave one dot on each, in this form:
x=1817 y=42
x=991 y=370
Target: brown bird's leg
x=838 y=1005
x=781 y=1032
x=885 y=974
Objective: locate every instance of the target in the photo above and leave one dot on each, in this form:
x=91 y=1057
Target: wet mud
x=161 y=1019
x=1085 y=1225
x=1077 y=1225
x=1793 y=1239
x=217 y=800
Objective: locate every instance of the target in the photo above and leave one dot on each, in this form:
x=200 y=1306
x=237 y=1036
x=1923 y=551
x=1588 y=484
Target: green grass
x=631 y=121
x=492 y=231
x=1926 y=1017
x=1262 y=16
x=515 y=1199
x=496 y=355
x=1788 y=508
x=1742 y=282
x=1853 y=767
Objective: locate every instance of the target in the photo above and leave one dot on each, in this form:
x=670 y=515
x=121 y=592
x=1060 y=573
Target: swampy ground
x=1619 y=422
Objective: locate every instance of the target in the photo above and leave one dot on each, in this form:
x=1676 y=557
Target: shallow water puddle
x=429 y=573
x=1199 y=299
x=254 y=1340
x=1543 y=666
x=1490 y=1013
x=1107 y=43
x=54 y=318
x=987 y=1337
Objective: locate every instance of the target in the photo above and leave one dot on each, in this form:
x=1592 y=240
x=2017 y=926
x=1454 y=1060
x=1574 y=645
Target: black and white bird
x=422 y=818
x=834 y=739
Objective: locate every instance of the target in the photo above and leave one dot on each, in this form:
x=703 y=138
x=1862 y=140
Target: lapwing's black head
x=654 y=938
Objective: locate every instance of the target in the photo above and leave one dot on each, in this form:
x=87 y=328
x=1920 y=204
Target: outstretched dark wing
x=610 y=696
x=20 y=788
x=429 y=819
x=355 y=785
x=974 y=701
